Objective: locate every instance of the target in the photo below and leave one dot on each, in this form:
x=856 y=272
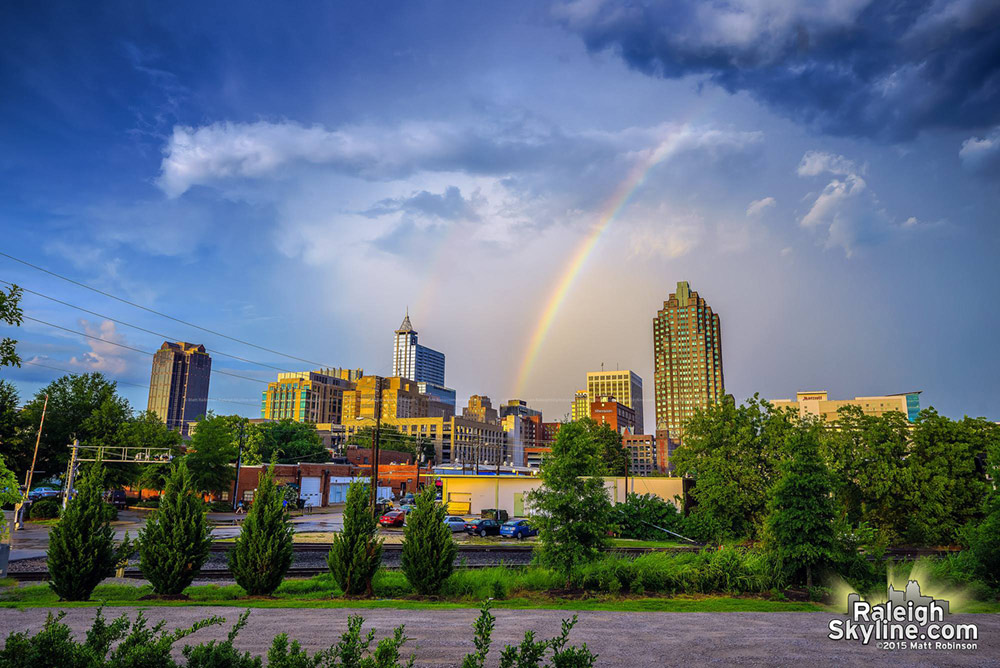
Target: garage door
x=311 y=491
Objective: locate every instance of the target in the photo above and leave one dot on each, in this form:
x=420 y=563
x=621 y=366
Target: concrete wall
x=470 y=495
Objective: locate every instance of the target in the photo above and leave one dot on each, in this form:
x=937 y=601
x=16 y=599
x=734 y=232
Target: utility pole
x=71 y=472
x=18 y=517
x=239 y=460
x=375 y=440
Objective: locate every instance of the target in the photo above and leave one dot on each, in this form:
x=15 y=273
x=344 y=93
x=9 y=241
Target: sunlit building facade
x=178 y=384
x=623 y=385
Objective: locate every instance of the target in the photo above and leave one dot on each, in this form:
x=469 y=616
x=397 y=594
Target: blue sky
x=297 y=175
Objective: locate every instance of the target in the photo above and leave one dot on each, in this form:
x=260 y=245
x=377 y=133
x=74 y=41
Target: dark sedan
x=483 y=528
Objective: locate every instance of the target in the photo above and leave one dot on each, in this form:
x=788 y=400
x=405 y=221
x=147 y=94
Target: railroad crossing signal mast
x=110 y=454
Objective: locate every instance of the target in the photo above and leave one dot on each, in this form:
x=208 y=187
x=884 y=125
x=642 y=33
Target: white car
x=455 y=523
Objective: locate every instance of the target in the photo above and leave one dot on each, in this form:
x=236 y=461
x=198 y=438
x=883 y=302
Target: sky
x=530 y=180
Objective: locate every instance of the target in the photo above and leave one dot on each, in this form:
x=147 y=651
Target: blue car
x=517 y=529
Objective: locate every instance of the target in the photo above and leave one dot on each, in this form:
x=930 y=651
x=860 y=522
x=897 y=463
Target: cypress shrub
x=176 y=539
x=428 y=554
x=263 y=550
x=82 y=549
x=356 y=553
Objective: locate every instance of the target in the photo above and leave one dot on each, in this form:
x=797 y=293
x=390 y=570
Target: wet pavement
x=33 y=540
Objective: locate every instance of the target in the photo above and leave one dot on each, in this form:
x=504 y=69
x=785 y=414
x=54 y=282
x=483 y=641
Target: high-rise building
x=820 y=405
x=624 y=385
x=441 y=400
x=308 y=396
x=518 y=407
x=642 y=453
x=581 y=406
x=178 y=385
x=617 y=415
x=687 y=359
x=414 y=361
x=480 y=408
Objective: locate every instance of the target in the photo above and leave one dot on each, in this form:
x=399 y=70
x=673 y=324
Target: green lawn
x=320 y=592
x=628 y=542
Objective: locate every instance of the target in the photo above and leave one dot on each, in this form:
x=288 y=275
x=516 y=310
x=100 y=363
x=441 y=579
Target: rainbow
x=615 y=205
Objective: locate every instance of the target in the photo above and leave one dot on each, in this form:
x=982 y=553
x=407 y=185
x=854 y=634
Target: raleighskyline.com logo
x=906 y=621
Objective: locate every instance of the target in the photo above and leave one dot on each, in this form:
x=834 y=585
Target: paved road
x=632 y=639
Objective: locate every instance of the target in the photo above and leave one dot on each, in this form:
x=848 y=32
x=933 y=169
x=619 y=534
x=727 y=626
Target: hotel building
x=178 y=384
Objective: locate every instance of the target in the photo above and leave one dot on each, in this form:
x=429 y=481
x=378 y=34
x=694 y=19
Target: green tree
x=428 y=555
x=211 y=451
x=356 y=552
x=9 y=495
x=13 y=430
x=83 y=406
x=948 y=478
x=263 y=550
x=614 y=456
x=572 y=508
x=800 y=523
x=10 y=313
x=390 y=438
x=733 y=452
x=82 y=550
x=175 y=541
x=291 y=442
x=866 y=455
x=148 y=431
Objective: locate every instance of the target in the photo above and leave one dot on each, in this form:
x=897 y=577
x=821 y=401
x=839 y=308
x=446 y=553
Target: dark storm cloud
x=885 y=69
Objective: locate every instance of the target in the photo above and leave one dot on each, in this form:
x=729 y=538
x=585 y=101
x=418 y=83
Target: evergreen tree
x=356 y=553
x=176 y=539
x=82 y=551
x=800 y=524
x=572 y=508
x=263 y=550
x=428 y=556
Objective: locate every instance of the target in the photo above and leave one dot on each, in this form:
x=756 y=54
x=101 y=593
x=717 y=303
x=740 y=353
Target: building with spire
x=687 y=360
x=424 y=366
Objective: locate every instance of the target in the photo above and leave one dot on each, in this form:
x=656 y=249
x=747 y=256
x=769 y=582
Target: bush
x=263 y=550
x=220 y=506
x=428 y=555
x=153 y=502
x=45 y=509
x=356 y=552
x=176 y=539
x=984 y=543
x=529 y=654
x=221 y=654
x=639 y=516
x=134 y=644
x=81 y=550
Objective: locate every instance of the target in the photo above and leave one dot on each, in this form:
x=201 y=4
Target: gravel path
x=632 y=639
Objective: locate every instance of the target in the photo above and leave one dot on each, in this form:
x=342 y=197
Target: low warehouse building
x=471 y=494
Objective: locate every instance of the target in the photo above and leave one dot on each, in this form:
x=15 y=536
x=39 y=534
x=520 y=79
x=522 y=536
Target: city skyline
x=518 y=177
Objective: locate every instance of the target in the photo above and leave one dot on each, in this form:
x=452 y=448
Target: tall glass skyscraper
x=414 y=361
x=178 y=385
x=687 y=359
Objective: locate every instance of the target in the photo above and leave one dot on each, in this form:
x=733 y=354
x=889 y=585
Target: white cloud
x=814 y=163
x=758 y=206
x=846 y=209
x=103 y=356
x=670 y=240
x=981 y=155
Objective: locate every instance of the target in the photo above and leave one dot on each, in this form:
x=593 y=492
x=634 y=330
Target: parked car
x=382 y=506
x=517 y=529
x=407 y=507
x=408 y=499
x=393 y=518
x=455 y=523
x=485 y=527
x=116 y=497
x=42 y=493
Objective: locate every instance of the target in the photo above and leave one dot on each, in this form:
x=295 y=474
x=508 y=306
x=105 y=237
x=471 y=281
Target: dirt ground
x=633 y=639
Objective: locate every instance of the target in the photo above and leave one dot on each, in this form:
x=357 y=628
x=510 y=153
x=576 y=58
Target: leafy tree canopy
x=289 y=441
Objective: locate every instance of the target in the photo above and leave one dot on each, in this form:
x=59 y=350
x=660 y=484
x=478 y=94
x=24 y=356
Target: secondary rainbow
x=616 y=204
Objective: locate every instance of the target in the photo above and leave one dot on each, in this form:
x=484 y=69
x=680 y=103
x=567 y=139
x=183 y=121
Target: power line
x=159 y=313
x=248 y=402
x=144 y=352
x=143 y=329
